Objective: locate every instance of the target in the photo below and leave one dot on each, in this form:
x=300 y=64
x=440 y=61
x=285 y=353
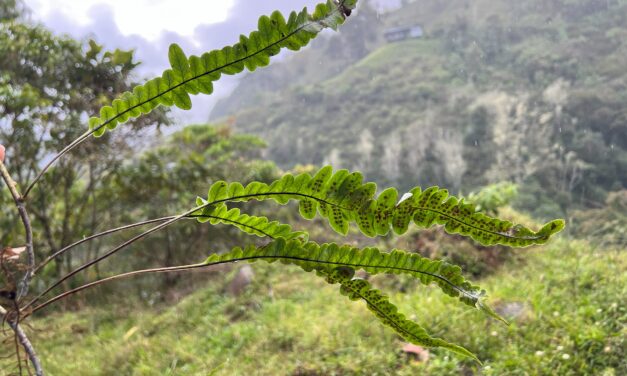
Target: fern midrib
x=231 y=221
x=337 y=263
x=355 y=265
x=253 y=195
x=287 y=36
x=478 y=228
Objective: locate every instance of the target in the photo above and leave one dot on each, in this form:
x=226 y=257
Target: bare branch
x=22 y=288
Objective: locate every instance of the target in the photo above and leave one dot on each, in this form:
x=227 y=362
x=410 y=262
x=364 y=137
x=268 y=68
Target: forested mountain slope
x=532 y=92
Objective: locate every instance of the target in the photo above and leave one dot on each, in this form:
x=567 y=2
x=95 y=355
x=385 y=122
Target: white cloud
x=148 y=18
x=115 y=24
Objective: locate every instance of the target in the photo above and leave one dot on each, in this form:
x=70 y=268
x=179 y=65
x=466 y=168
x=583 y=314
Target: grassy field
x=565 y=302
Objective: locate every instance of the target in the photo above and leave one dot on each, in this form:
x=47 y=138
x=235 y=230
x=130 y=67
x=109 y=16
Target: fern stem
x=170 y=219
x=133 y=225
x=249 y=258
x=65 y=150
x=86 y=135
x=107 y=232
x=118 y=276
x=115 y=250
x=231 y=221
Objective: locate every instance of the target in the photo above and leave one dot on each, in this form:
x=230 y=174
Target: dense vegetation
x=488 y=96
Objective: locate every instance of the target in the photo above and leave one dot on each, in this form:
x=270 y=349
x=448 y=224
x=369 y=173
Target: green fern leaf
x=343 y=198
x=196 y=74
x=387 y=313
x=333 y=261
x=312 y=256
x=250 y=224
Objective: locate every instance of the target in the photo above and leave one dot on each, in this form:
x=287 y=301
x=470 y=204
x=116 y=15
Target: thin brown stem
x=110 y=231
x=118 y=276
x=115 y=250
x=114 y=230
x=156 y=228
x=65 y=150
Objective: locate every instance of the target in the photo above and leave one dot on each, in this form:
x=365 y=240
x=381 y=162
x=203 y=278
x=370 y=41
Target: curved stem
x=65 y=150
x=118 y=276
x=107 y=232
x=126 y=227
x=25 y=281
x=115 y=250
x=341 y=8
x=233 y=260
x=156 y=228
x=21 y=207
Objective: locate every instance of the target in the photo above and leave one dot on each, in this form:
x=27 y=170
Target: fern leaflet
x=250 y=224
x=387 y=313
x=312 y=256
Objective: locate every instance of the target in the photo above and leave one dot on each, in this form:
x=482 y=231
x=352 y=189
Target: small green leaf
x=178 y=61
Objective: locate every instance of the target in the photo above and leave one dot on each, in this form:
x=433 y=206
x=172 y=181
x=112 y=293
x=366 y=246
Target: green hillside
x=529 y=92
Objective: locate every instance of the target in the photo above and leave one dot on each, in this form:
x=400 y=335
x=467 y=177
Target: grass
x=564 y=302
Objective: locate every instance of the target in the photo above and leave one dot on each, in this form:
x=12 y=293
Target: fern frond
x=312 y=256
x=250 y=224
x=333 y=262
x=342 y=198
x=387 y=313
x=196 y=74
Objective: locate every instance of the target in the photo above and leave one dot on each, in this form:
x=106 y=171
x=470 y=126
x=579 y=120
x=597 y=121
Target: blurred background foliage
x=517 y=106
